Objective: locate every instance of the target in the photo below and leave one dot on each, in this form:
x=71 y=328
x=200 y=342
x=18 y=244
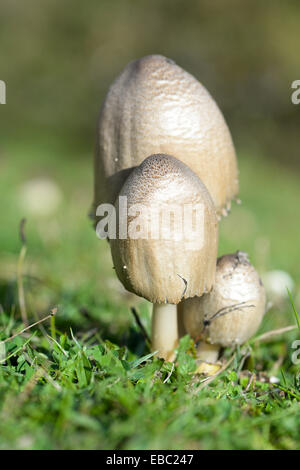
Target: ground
x=84 y=378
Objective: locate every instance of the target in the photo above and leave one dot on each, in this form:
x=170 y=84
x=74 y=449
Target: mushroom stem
x=164 y=330
x=208 y=352
x=181 y=328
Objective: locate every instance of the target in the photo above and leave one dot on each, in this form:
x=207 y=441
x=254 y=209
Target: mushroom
x=155 y=106
x=231 y=313
x=160 y=262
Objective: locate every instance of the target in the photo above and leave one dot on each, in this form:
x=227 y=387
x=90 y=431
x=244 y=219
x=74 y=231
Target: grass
x=85 y=377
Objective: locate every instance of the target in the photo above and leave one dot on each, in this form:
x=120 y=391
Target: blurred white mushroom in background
x=40 y=197
x=274 y=380
x=277 y=283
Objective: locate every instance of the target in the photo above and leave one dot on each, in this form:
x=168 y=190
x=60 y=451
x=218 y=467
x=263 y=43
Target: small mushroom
x=155 y=106
x=231 y=313
x=165 y=267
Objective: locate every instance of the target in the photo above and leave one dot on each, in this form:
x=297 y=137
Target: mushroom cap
x=166 y=266
x=155 y=106
x=232 y=312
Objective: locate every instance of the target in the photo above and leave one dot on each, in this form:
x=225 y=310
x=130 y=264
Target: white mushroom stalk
x=208 y=352
x=170 y=250
x=164 y=334
x=231 y=313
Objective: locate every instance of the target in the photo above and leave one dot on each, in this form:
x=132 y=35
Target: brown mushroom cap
x=232 y=312
x=155 y=106
x=167 y=269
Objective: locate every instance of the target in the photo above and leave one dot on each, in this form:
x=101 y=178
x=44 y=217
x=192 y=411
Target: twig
x=229 y=309
x=140 y=325
x=251 y=381
x=21 y=259
x=169 y=374
x=271 y=333
x=44 y=373
x=224 y=311
x=53 y=312
x=41 y=328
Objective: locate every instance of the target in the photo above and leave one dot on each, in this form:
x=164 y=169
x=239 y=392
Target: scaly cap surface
x=167 y=269
x=155 y=106
x=232 y=312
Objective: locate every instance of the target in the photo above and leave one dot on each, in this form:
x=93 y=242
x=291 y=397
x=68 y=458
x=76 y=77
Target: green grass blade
x=139 y=361
x=294 y=309
x=18 y=349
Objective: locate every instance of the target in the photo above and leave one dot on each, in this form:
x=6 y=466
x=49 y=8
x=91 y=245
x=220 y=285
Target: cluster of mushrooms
x=163 y=140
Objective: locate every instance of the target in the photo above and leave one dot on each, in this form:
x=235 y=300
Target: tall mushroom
x=231 y=313
x=169 y=249
x=155 y=106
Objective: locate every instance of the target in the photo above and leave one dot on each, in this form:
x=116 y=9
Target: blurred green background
x=58 y=59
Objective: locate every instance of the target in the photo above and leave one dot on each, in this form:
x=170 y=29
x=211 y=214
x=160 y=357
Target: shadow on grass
x=98 y=321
